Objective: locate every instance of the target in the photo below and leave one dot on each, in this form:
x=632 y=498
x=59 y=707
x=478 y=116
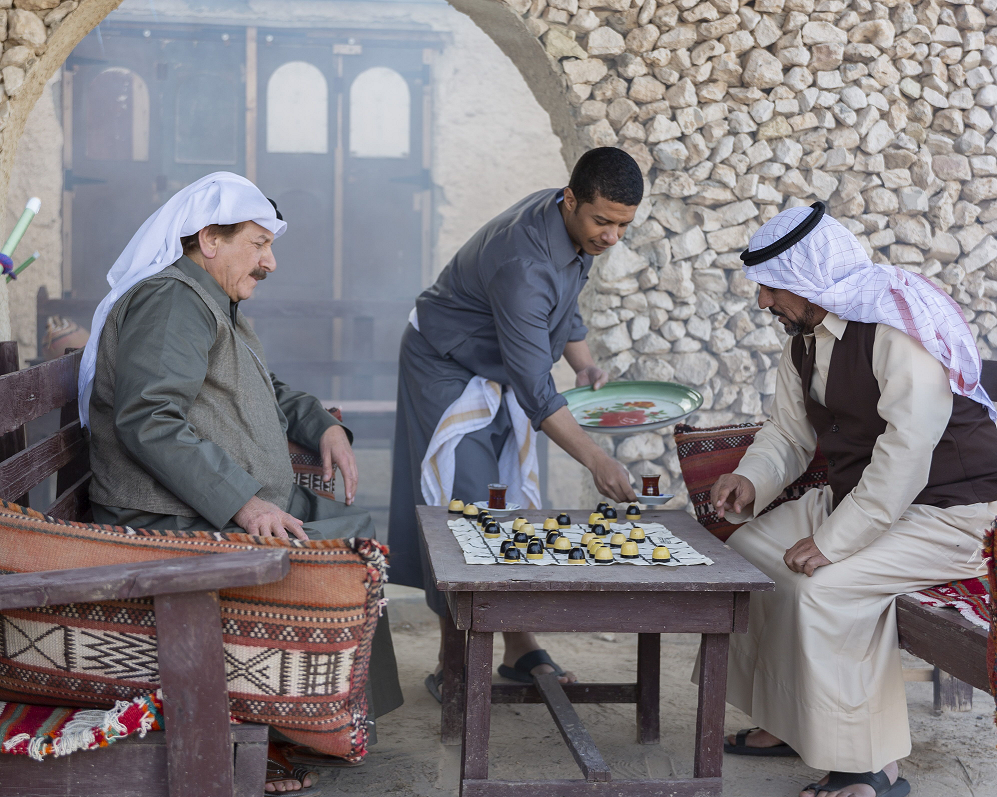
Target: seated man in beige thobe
x=883 y=374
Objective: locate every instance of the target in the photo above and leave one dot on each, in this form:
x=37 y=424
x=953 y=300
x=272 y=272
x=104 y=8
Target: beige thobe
x=820 y=664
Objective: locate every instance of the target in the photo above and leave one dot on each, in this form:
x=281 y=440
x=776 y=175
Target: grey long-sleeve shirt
x=165 y=334
x=506 y=305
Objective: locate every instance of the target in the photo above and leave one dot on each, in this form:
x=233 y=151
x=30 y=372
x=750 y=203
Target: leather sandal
x=522 y=670
x=740 y=747
x=279 y=768
x=880 y=781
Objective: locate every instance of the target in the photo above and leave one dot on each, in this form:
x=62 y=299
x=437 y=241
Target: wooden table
x=648 y=601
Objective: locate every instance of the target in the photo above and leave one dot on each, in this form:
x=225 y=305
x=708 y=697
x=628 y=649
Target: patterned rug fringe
x=966 y=609
x=82 y=729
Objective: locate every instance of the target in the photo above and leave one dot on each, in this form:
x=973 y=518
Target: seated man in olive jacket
x=188 y=427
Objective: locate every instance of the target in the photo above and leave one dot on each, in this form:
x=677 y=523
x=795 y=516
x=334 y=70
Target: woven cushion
x=706 y=454
x=307 y=467
x=297 y=651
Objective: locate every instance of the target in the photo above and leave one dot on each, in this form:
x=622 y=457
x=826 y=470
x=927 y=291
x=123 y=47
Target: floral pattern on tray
x=624 y=413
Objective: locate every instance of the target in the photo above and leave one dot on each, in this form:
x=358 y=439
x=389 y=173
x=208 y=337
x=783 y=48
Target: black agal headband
x=794 y=237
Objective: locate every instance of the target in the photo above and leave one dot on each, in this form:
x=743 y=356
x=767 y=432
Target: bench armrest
x=142 y=579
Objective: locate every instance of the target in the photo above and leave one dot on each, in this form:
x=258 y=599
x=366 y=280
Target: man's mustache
x=258 y=274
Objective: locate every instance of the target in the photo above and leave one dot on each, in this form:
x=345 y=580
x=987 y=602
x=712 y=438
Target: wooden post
x=195 y=695
x=951 y=694
x=712 y=703
x=452 y=721
x=15 y=441
x=477 y=706
x=648 y=688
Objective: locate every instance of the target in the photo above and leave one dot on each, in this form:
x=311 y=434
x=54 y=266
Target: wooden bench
x=200 y=754
x=945 y=639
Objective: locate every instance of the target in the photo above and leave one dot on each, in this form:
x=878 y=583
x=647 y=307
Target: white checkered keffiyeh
x=830 y=268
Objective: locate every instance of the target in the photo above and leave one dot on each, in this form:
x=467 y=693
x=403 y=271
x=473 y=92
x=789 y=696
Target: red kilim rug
x=40 y=731
x=971 y=598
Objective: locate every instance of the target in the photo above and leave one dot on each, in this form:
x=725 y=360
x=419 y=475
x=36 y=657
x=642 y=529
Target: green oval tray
x=616 y=407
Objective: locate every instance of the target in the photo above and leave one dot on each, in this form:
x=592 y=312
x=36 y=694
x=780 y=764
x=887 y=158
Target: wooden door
x=153 y=109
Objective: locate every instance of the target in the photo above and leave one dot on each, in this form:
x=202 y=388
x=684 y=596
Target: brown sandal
x=278 y=768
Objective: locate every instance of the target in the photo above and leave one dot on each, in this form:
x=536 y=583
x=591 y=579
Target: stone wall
x=736 y=110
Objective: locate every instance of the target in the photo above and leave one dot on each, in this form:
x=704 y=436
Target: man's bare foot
x=859 y=789
x=290 y=785
x=518 y=644
x=758 y=738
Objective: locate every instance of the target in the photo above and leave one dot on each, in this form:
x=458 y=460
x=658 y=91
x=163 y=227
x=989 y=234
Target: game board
x=480 y=551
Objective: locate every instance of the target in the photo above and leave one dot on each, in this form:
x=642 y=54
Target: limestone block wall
x=735 y=110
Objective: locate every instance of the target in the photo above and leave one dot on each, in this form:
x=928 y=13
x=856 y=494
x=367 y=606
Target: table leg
x=477 y=706
x=712 y=703
x=648 y=688
x=451 y=724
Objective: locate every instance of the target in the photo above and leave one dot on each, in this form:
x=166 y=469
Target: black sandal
x=740 y=747
x=279 y=768
x=880 y=781
x=522 y=669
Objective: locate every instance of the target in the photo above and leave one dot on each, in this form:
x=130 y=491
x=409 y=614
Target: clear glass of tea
x=650 y=485
x=496 y=496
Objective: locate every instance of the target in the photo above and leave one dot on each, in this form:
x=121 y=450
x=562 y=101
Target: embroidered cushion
x=708 y=453
x=307 y=467
x=297 y=651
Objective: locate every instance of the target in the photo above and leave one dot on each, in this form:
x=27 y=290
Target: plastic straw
x=30 y=209
x=23 y=266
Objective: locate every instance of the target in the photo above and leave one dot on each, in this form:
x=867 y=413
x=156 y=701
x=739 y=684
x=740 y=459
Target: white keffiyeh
x=219 y=198
x=830 y=268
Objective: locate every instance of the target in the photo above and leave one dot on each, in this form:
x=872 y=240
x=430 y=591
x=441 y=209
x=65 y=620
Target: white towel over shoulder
x=474 y=410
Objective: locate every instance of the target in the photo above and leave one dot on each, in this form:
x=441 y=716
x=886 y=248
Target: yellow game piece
x=604 y=555
x=617 y=539
x=594 y=544
x=550 y=523
x=661 y=554
x=470 y=512
x=456 y=507
x=587 y=537
x=562 y=544
x=629 y=550
x=637 y=534
x=595 y=517
x=528 y=530
x=517 y=524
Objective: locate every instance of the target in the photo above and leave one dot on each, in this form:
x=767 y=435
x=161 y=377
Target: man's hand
x=335 y=450
x=805 y=557
x=264 y=519
x=591 y=375
x=732 y=492
x=612 y=479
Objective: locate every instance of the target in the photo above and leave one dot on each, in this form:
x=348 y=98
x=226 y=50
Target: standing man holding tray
x=474 y=377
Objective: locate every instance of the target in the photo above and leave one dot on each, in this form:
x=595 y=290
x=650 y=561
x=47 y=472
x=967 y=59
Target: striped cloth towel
x=475 y=409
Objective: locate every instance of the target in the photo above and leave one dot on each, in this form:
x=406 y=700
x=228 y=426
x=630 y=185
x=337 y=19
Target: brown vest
x=964 y=463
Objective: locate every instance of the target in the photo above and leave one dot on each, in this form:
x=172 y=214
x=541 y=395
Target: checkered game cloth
x=831 y=269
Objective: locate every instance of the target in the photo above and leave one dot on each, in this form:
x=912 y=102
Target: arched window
x=206 y=119
x=117 y=103
x=298 y=109
x=379 y=114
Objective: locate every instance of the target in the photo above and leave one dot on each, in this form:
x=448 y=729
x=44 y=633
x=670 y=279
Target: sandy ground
x=954 y=754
